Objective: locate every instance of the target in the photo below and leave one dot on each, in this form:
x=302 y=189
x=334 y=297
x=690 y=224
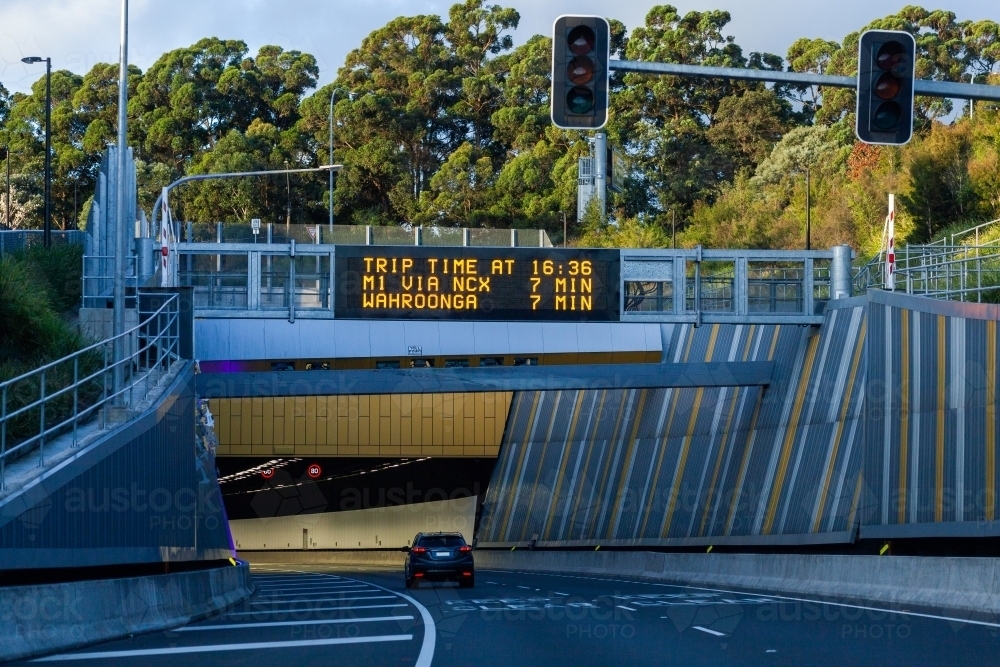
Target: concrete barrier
x=966 y=585
x=326 y=557
x=50 y=618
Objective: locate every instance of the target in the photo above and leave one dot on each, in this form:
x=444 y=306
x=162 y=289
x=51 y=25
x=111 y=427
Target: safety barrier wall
x=145 y=492
x=694 y=466
x=882 y=423
x=931 y=454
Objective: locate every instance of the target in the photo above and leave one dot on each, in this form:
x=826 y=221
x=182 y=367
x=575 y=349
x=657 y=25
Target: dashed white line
x=621 y=606
x=711 y=632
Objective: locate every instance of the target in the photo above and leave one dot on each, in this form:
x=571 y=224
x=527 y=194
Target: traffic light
x=580 y=54
x=886 y=62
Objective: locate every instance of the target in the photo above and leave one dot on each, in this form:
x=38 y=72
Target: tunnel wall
x=145 y=492
x=695 y=466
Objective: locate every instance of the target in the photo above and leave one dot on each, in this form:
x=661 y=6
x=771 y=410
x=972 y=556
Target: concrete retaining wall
x=44 y=619
x=365 y=558
x=945 y=584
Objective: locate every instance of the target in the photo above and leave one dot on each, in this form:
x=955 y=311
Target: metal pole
x=333 y=95
x=120 y=222
x=564 y=227
x=601 y=170
x=673 y=229
x=7 y=155
x=808 y=211
x=972 y=103
x=47 y=229
x=288 y=193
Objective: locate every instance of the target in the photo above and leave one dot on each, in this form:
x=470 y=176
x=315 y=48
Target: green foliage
x=441 y=120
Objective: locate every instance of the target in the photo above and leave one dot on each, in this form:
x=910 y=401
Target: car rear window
x=435 y=541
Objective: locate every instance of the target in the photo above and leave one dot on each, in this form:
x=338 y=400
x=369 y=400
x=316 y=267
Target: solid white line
x=527 y=588
x=332 y=584
x=298 y=611
x=765 y=597
x=430 y=630
x=370 y=597
x=256 y=646
x=558 y=593
x=297 y=594
x=621 y=606
x=711 y=632
x=275 y=624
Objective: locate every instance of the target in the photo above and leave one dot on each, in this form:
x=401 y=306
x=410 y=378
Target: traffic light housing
x=886 y=61
x=580 y=55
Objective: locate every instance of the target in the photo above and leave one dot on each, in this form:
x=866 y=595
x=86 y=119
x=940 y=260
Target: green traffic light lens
x=581 y=40
x=887 y=86
x=887 y=116
x=580 y=70
x=580 y=100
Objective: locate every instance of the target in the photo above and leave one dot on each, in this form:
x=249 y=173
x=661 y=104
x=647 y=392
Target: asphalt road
x=366 y=617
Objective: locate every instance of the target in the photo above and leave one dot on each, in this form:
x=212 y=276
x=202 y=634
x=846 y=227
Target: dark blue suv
x=439 y=557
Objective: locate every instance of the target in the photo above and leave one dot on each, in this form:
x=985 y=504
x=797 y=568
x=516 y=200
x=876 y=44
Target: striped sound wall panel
x=648 y=467
x=932 y=419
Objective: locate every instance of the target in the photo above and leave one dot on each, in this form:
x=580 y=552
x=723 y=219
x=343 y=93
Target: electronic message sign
x=467 y=283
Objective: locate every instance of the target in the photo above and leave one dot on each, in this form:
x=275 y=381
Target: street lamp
x=333 y=96
x=47 y=228
x=5 y=156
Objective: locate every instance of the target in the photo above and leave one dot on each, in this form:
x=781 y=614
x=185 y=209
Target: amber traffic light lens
x=887 y=116
x=887 y=86
x=580 y=70
x=581 y=40
x=580 y=100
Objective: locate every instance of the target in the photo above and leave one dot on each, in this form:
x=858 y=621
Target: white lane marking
x=492 y=582
x=768 y=597
x=298 y=594
x=256 y=646
x=275 y=624
x=370 y=597
x=558 y=593
x=430 y=630
x=527 y=588
x=289 y=587
x=299 y=611
x=621 y=606
x=770 y=650
x=711 y=632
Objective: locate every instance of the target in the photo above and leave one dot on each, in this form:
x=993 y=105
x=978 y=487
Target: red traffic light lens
x=580 y=70
x=892 y=57
x=887 y=86
x=580 y=100
x=887 y=116
x=581 y=40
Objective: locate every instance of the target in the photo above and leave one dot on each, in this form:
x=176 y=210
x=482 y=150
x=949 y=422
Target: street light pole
x=288 y=194
x=808 y=210
x=333 y=96
x=5 y=155
x=47 y=227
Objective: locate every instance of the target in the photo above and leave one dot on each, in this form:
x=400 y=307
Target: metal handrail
x=154 y=357
x=938 y=271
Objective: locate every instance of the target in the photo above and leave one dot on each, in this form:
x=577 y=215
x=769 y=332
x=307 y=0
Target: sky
x=76 y=34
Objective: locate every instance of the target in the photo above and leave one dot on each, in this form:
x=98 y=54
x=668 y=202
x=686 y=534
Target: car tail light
x=418 y=550
x=466 y=549
x=466 y=574
x=418 y=574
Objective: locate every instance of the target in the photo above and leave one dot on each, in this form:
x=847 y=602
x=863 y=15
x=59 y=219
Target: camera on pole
x=580 y=55
x=886 y=62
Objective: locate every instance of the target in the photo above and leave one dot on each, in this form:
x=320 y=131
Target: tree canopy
x=442 y=120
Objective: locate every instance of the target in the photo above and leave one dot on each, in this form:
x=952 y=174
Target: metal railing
x=15 y=240
x=939 y=271
x=55 y=399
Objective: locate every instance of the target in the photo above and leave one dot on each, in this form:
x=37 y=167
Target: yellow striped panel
x=790 y=433
x=577 y=408
x=859 y=345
